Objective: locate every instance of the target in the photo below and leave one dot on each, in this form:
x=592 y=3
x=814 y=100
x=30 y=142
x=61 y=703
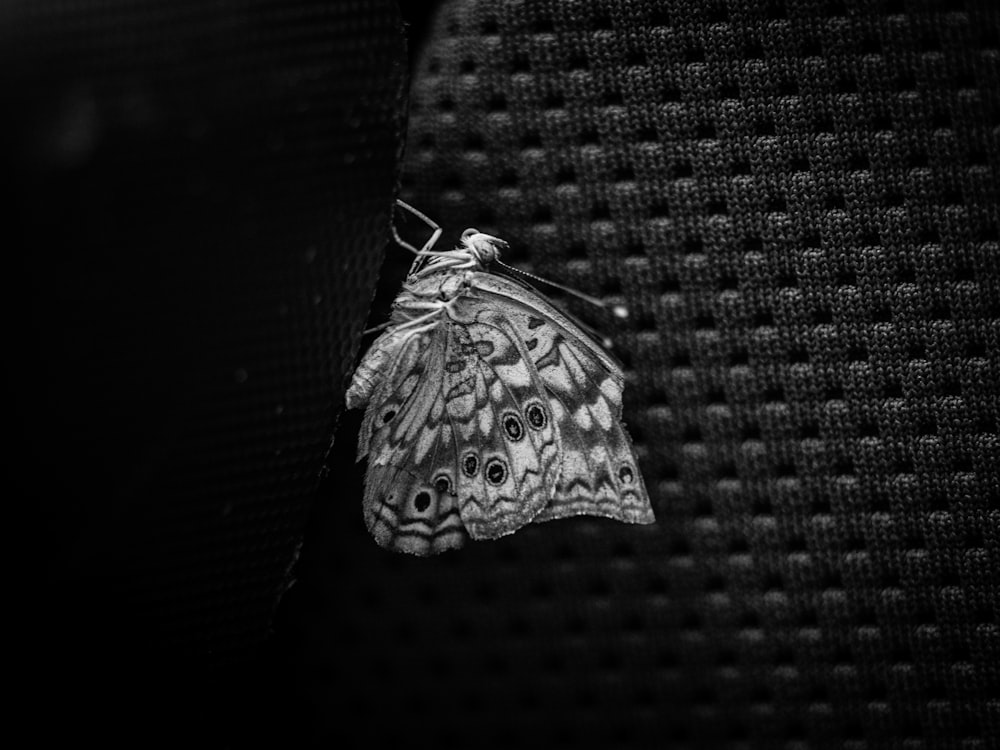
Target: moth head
x=485 y=248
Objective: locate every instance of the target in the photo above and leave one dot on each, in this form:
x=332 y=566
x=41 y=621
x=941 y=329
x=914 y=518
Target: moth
x=486 y=408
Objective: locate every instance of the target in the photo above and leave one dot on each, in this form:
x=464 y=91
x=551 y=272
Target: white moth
x=486 y=409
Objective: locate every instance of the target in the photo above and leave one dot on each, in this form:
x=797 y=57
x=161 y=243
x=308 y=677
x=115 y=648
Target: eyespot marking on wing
x=422 y=501
x=537 y=418
x=496 y=472
x=512 y=426
x=470 y=464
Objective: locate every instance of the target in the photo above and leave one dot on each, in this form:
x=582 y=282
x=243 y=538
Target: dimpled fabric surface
x=798 y=202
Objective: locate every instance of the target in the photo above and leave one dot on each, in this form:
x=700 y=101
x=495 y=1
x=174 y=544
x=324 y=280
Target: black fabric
x=799 y=203
x=203 y=192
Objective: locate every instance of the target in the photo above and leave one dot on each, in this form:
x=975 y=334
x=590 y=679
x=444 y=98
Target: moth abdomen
x=371 y=371
x=363 y=384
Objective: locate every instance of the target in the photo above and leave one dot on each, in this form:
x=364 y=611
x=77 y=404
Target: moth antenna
x=619 y=311
x=435 y=235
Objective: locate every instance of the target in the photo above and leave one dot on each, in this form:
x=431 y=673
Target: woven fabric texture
x=799 y=204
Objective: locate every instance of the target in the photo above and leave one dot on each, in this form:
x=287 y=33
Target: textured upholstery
x=799 y=203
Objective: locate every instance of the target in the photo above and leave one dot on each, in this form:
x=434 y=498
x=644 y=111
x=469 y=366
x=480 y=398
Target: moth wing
x=600 y=474
x=410 y=504
x=504 y=291
x=508 y=454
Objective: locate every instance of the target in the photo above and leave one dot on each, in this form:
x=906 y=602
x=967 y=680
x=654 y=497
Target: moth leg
x=431 y=241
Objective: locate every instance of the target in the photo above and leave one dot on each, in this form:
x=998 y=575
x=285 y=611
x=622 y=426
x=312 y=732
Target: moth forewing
x=533 y=300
